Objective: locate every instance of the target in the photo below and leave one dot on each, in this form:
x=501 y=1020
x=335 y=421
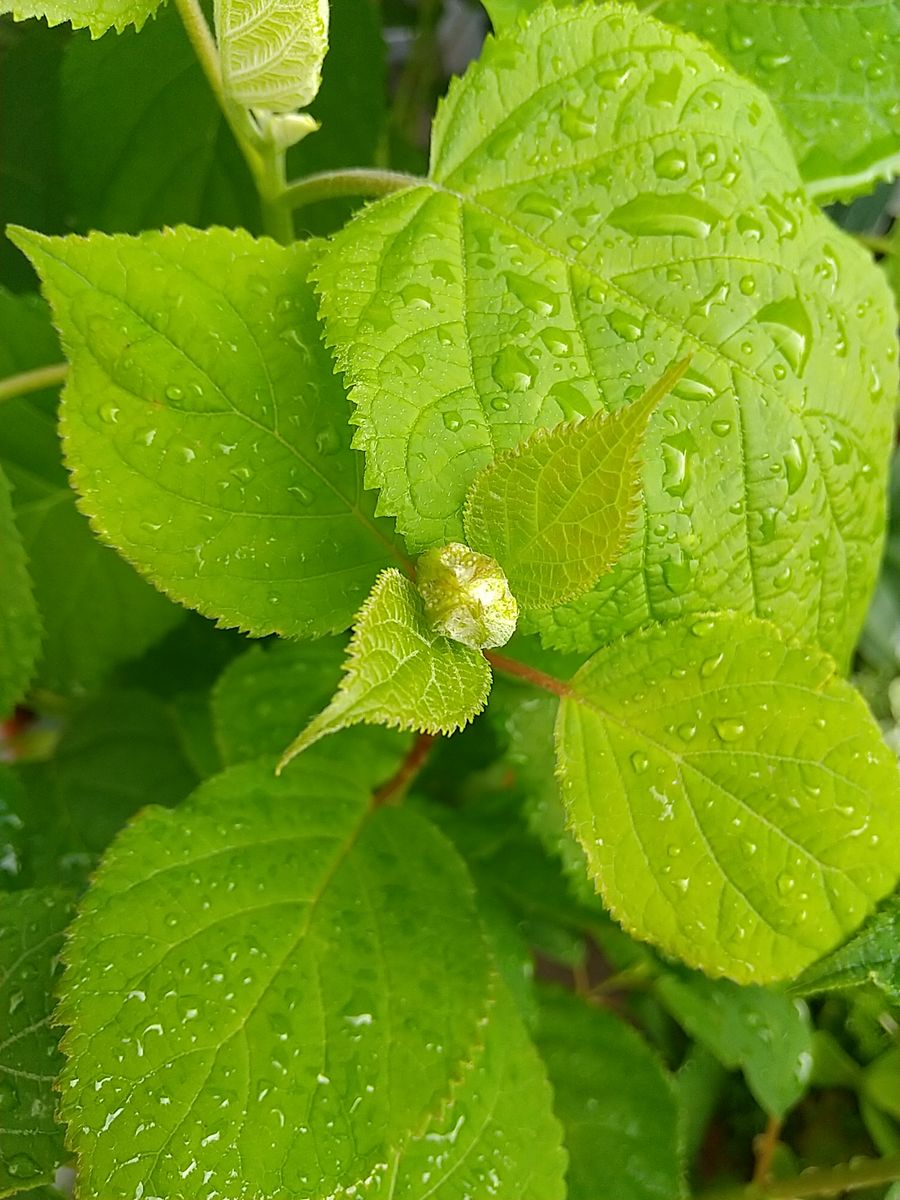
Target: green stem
x=878 y=245
x=825 y=1181
x=33 y=381
x=356 y=181
x=265 y=161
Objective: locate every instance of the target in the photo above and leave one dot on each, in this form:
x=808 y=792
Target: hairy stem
x=519 y=670
x=356 y=181
x=824 y=1181
x=392 y=791
x=265 y=161
x=33 y=381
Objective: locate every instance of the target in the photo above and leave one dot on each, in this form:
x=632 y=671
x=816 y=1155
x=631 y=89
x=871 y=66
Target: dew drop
x=453 y=421
x=710 y=665
x=174 y=393
x=512 y=370
x=109 y=413
x=22 y=1166
x=728 y=729
x=671 y=164
x=639 y=762
x=795 y=465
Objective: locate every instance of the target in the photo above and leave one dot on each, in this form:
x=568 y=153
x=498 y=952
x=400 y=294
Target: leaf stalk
x=33 y=381
x=818 y=1181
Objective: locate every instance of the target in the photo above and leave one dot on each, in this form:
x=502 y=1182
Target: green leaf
x=205 y=429
x=555 y=260
x=733 y=795
x=95 y=609
x=96 y=15
x=137 y=163
x=31 y=934
x=761 y=1031
x=12 y=839
x=555 y=512
x=30 y=184
x=265 y=694
x=871 y=956
x=262 y=697
x=120 y=751
x=290 y=1031
x=20 y=623
x=271 y=52
x=831 y=68
x=616 y=1103
x=399 y=673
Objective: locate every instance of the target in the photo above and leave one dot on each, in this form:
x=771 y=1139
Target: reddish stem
x=392 y=791
x=511 y=666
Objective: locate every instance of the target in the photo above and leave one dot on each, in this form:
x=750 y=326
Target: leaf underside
x=734 y=798
x=871 y=956
x=271 y=51
x=605 y=198
x=205 y=429
x=315 y=1026
x=399 y=673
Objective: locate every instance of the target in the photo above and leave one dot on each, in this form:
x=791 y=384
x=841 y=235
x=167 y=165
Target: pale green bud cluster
x=467 y=597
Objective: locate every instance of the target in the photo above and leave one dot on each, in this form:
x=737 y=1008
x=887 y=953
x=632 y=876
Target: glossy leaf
x=554 y=261
x=832 y=69
x=871 y=956
x=759 y=1030
x=271 y=51
x=399 y=673
x=96 y=611
x=556 y=511
x=96 y=15
x=20 y=623
x=31 y=934
x=733 y=795
x=120 y=751
x=138 y=163
x=616 y=1102
x=291 y=1032
x=204 y=426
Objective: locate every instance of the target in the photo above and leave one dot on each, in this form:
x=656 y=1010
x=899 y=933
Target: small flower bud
x=467 y=597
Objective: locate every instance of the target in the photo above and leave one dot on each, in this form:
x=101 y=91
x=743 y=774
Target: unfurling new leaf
x=466 y=596
x=733 y=795
x=556 y=511
x=271 y=52
x=400 y=673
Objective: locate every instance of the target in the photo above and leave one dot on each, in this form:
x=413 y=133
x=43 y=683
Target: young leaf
x=20 y=622
x=871 y=956
x=31 y=934
x=553 y=254
x=204 y=426
x=616 y=1102
x=400 y=673
x=272 y=52
x=759 y=1030
x=265 y=694
x=733 y=795
x=96 y=15
x=138 y=164
x=556 y=511
x=299 y=1029
x=843 y=122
